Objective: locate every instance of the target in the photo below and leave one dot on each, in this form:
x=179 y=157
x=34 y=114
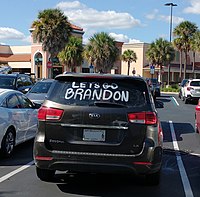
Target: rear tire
x=44 y=174
x=8 y=143
x=153 y=179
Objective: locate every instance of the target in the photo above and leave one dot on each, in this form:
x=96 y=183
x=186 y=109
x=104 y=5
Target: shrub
x=171 y=88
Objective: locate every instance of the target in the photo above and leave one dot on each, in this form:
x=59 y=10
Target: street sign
x=91 y=68
x=152 y=69
x=49 y=64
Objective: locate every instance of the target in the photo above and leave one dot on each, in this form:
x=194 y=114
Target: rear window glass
x=195 y=83
x=7 y=82
x=41 y=87
x=88 y=91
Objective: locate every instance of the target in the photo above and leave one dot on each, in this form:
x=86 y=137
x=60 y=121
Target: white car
x=18 y=120
x=191 y=90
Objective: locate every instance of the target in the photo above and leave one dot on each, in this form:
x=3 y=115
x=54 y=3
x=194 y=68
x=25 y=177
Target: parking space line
x=7 y=176
x=183 y=174
x=174 y=101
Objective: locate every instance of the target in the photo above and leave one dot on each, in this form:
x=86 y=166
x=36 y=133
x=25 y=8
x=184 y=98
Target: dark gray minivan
x=99 y=123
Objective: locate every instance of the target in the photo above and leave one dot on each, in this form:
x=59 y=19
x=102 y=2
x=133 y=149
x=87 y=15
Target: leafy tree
x=177 y=43
x=185 y=32
x=52 y=29
x=129 y=56
x=101 y=51
x=160 y=53
x=71 y=55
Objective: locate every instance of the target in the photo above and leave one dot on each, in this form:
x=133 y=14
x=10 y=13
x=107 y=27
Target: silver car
x=39 y=91
x=18 y=120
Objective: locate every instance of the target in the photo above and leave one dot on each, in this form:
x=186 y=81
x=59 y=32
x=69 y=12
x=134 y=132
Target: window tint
x=7 y=82
x=41 y=87
x=13 y=102
x=195 y=83
x=25 y=102
x=87 y=92
x=4 y=103
x=19 y=82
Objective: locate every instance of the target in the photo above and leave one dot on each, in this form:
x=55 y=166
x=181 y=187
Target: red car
x=197 y=117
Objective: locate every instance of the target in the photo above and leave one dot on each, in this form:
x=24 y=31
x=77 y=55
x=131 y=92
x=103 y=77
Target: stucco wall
x=20 y=64
x=139 y=49
x=21 y=49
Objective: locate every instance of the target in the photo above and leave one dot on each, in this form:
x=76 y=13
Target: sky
x=129 y=21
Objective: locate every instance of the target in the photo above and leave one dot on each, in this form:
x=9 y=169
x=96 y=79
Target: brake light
x=189 y=88
x=142 y=163
x=197 y=108
x=41 y=158
x=143 y=117
x=45 y=113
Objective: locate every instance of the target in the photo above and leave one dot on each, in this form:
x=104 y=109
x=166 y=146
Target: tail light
x=45 y=113
x=143 y=117
x=190 y=88
x=198 y=106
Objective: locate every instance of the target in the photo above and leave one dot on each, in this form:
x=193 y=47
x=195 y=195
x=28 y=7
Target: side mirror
x=26 y=90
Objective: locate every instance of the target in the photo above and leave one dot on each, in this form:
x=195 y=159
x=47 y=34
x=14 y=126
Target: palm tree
x=160 y=53
x=101 y=51
x=185 y=31
x=87 y=54
x=177 y=43
x=71 y=55
x=195 y=46
x=52 y=29
x=129 y=56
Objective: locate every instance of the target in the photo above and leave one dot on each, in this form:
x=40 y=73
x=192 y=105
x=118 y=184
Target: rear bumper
x=148 y=162
x=193 y=97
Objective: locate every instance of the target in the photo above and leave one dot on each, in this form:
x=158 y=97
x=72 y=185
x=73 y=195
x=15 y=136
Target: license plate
x=94 y=135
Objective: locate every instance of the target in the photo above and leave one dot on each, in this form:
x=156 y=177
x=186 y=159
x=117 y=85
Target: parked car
x=16 y=81
x=191 y=90
x=197 y=117
x=39 y=91
x=18 y=120
x=181 y=85
x=154 y=87
x=98 y=123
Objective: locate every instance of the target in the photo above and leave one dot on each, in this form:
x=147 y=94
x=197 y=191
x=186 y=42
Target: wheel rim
x=9 y=142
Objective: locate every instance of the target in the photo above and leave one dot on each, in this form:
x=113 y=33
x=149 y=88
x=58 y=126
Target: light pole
x=170 y=33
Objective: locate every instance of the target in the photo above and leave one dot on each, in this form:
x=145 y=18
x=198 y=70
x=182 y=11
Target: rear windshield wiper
x=107 y=104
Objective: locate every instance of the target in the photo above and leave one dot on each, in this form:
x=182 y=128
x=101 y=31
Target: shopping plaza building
x=32 y=59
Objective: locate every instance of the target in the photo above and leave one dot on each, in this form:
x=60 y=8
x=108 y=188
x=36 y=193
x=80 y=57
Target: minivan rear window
x=195 y=83
x=88 y=91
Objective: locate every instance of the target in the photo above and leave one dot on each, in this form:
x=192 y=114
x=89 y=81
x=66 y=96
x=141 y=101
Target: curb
x=169 y=92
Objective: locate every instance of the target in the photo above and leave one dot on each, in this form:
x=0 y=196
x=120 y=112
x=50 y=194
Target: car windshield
x=7 y=82
x=98 y=92
x=41 y=87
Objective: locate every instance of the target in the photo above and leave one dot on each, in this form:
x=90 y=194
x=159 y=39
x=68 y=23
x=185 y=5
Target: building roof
x=76 y=27
x=15 y=57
